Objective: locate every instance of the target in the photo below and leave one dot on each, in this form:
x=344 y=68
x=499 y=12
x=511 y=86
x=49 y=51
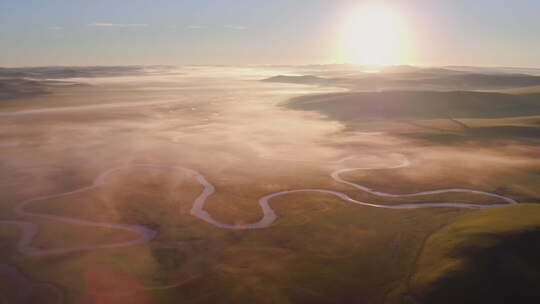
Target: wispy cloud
x=105 y=24
x=196 y=27
x=56 y=28
x=235 y=27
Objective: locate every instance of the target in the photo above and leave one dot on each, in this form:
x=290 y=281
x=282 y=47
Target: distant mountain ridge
x=59 y=72
x=437 y=79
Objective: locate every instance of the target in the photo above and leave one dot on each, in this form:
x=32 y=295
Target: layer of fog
x=220 y=121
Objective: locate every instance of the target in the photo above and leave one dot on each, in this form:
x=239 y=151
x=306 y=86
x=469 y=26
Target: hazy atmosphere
x=269 y=152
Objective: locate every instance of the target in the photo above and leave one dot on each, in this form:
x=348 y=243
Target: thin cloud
x=236 y=27
x=56 y=28
x=104 y=24
x=196 y=27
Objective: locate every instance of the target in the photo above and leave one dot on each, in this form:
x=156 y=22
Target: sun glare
x=373 y=36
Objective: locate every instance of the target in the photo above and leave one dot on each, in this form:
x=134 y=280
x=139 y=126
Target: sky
x=240 y=32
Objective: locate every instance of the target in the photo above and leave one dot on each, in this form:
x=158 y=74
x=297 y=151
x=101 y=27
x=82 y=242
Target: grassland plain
x=320 y=249
x=307 y=257
x=307 y=249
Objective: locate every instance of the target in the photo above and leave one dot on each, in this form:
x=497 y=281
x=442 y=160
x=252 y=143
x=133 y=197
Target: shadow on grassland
x=417 y=105
x=529 y=135
x=15 y=88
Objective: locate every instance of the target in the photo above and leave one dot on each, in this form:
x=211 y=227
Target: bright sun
x=373 y=36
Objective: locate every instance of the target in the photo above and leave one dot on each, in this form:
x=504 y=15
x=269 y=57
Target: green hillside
x=490 y=256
